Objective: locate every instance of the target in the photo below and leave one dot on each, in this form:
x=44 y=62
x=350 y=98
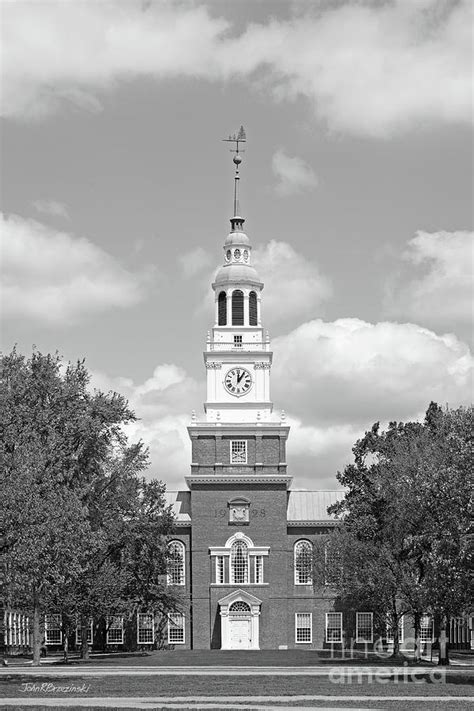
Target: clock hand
x=239 y=378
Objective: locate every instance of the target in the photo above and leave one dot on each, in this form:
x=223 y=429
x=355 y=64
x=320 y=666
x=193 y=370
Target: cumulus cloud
x=51 y=207
x=351 y=371
x=333 y=379
x=163 y=403
x=54 y=277
x=293 y=174
x=294 y=286
x=370 y=69
x=194 y=261
x=441 y=289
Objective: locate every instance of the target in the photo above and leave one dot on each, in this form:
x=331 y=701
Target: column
x=246 y=308
x=229 y=307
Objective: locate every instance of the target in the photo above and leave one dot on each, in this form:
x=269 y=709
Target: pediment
x=239 y=596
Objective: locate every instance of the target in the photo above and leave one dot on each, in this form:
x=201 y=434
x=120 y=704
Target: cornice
x=238 y=479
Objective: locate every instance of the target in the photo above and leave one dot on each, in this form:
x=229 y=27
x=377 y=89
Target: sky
x=356 y=187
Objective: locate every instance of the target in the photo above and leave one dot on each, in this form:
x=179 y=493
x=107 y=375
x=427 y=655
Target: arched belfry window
x=239 y=562
x=222 y=309
x=176 y=560
x=237 y=308
x=253 y=308
x=303 y=562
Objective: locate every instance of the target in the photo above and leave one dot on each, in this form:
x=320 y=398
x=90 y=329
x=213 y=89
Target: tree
x=80 y=528
x=404 y=517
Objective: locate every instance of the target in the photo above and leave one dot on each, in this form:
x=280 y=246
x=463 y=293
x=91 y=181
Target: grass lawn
x=123 y=685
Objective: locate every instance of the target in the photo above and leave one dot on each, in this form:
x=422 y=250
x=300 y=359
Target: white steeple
x=237 y=356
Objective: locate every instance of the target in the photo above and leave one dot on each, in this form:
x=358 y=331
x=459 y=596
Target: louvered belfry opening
x=222 y=309
x=253 y=308
x=237 y=308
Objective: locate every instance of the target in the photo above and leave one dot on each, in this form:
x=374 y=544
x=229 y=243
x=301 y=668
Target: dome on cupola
x=237 y=274
x=236 y=238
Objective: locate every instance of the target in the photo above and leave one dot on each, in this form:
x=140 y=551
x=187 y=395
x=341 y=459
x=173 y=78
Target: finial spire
x=236 y=220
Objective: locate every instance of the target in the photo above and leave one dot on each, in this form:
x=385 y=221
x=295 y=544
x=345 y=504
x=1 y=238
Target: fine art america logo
x=50 y=688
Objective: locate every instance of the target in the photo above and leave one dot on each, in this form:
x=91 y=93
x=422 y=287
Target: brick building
x=244 y=537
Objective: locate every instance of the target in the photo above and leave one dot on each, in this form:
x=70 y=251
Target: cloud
x=55 y=277
x=294 y=175
x=333 y=379
x=194 y=261
x=51 y=207
x=294 y=286
x=353 y=372
x=441 y=288
x=370 y=69
x=163 y=404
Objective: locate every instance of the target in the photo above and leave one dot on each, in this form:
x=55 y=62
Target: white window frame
x=424 y=627
x=112 y=626
x=244 y=451
x=90 y=633
x=182 y=547
x=370 y=616
x=257 y=569
x=140 y=628
x=49 y=628
x=297 y=572
x=333 y=615
x=401 y=631
x=246 y=571
x=300 y=627
x=238 y=343
x=181 y=616
x=220 y=569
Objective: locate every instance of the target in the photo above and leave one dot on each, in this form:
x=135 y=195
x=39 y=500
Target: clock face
x=238 y=381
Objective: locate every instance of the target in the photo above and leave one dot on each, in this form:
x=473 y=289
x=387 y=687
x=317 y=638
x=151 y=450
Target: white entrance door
x=239 y=634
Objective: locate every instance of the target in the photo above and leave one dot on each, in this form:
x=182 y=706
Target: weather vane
x=239 y=138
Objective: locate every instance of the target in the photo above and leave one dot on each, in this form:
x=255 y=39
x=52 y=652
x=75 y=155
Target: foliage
x=403 y=545
x=82 y=532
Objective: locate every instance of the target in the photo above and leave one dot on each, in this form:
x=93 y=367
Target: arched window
x=253 y=320
x=237 y=308
x=222 y=309
x=176 y=560
x=239 y=563
x=303 y=563
x=239 y=608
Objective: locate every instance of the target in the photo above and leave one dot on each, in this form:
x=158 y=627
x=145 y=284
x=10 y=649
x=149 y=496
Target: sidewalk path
x=229 y=703
x=355 y=671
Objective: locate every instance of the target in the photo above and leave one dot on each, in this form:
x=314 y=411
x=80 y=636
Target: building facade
x=244 y=542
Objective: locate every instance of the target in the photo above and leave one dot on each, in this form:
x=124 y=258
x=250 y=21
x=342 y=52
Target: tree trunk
x=443 y=641
x=85 y=623
x=36 y=632
x=65 y=645
x=416 y=629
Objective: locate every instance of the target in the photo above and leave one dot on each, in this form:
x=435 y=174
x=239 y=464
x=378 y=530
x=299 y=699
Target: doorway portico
x=240 y=614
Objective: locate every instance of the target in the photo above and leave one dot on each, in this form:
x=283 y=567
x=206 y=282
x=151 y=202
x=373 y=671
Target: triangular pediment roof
x=240 y=595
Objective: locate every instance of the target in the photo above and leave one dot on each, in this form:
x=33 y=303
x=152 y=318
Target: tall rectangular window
x=364 y=626
x=303 y=627
x=145 y=628
x=426 y=629
x=333 y=626
x=90 y=633
x=220 y=569
x=52 y=629
x=258 y=569
x=238 y=451
x=176 y=628
x=114 y=629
